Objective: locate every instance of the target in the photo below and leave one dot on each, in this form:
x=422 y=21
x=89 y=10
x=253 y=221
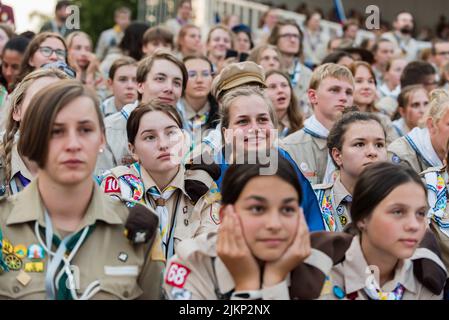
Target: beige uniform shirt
x=116 y=140
x=309 y=153
x=124 y=270
x=17 y=167
x=348 y=279
x=392 y=134
x=401 y=152
x=334 y=201
x=188 y=219
x=196 y=273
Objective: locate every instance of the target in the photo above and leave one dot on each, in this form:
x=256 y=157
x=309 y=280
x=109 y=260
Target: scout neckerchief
x=294 y=77
x=69 y=245
x=13 y=184
x=437 y=198
x=162 y=211
x=419 y=140
x=375 y=293
x=314 y=128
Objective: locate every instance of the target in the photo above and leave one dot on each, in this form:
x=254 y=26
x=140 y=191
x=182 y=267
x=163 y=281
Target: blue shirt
x=312 y=211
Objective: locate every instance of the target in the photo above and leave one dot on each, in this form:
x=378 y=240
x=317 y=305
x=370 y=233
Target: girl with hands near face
x=262 y=237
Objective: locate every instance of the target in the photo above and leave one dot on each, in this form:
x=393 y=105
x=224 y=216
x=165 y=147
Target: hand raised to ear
x=233 y=250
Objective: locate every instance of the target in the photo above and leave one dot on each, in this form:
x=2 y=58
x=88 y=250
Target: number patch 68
x=177 y=275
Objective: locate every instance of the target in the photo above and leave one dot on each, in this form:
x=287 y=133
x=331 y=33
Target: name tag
x=121 y=270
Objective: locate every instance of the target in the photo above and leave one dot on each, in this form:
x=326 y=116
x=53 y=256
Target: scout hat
x=237 y=74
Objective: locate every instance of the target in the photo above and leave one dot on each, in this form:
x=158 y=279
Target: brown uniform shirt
x=124 y=270
x=188 y=219
x=401 y=152
x=310 y=154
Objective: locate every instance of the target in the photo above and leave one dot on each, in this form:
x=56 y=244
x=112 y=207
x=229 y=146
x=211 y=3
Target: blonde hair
x=330 y=70
x=438 y=105
x=256 y=54
x=244 y=91
x=15 y=103
x=72 y=35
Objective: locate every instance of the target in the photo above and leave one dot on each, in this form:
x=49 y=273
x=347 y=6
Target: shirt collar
x=340 y=192
x=28 y=206
x=17 y=165
x=355 y=271
x=177 y=182
x=191 y=113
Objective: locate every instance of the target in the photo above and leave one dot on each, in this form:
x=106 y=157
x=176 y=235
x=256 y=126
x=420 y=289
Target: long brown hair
x=294 y=115
x=353 y=67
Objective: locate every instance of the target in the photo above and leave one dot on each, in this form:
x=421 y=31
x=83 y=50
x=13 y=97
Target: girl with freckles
x=388 y=213
x=262 y=238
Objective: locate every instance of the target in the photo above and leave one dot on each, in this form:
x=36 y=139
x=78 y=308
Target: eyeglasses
x=204 y=74
x=289 y=35
x=47 y=52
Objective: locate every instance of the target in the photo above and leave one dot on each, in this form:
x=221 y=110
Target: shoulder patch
x=215 y=213
x=213 y=195
x=177 y=275
x=111 y=184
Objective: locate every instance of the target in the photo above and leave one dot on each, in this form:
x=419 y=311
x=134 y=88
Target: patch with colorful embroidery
x=177 y=275
x=327 y=209
x=111 y=184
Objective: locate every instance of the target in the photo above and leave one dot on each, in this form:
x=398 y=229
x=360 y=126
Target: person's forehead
x=333 y=81
x=441 y=45
x=167 y=67
x=405 y=16
x=257 y=106
x=289 y=28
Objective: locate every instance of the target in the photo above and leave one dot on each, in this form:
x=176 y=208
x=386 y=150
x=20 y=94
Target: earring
x=101 y=150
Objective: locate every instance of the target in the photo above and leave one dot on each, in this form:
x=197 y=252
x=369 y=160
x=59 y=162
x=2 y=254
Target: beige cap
x=237 y=74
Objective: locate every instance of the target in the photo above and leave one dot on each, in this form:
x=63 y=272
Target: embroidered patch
x=111 y=185
x=177 y=275
x=395 y=159
x=34 y=267
x=181 y=294
x=303 y=166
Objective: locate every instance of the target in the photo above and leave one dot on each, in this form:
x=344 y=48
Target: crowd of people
x=277 y=163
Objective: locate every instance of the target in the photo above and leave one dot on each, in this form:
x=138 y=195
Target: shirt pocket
x=119 y=282
x=32 y=289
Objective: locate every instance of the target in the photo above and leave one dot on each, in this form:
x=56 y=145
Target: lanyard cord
x=58 y=257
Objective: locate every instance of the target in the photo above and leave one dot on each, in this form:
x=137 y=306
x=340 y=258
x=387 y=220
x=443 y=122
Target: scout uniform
x=402 y=152
x=284 y=127
x=20 y=175
x=353 y=279
x=116 y=150
x=391 y=133
x=334 y=201
x=120 y=269
x=194 y=122
x=108 y=107
x=436 y=180
x=310 y=153
x=197 y=273
x=401 y=127
x=184 y=209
